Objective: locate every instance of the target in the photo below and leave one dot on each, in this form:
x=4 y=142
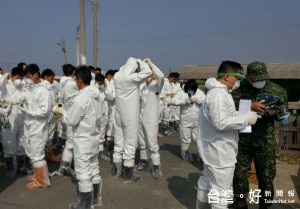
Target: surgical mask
x=191 y=92
x=236 y=85
x=18 y=83
x=259 y=84
x=93 y=76
x=29 y=82
x=1 y=76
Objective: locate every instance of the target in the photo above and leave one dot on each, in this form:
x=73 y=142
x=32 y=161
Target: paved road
x=176 y=190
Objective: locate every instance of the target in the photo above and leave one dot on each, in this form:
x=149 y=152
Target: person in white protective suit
x=68 y=92
x=127 y=117
x=218 y=135
x=166 y=97
x=175 y=109
x=100 y=84
x=84 y=116
x=13 y=124
x=149 y=122
x=189 y=100
x=48 y=79
x=110 y=99
x=36 y=127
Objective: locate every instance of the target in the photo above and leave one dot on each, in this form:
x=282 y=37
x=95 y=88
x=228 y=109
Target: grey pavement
x=177 y=190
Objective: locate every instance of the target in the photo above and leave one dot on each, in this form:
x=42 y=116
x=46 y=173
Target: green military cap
x=257 y=71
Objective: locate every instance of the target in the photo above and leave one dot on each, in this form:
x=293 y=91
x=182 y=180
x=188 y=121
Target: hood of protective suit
x=47 y=84
x=129 y=67
x=64 y=80
x=213 y=83
x=93 y=91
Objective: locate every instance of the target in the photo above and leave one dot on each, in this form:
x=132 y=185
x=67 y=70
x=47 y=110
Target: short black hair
x=172 y=75
x=98 y=69
x=17 y=71
x=177 y=75
x=84 y=73
x=230 y=67
x=99 y=77
x=110 y=72
x=47 y=72
x=68 y=69
x=115 y=71
x=33 y=69
x=90 y=67
x=21 y=64
x=191 y=85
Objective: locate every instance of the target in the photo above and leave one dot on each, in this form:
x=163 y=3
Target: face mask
x=191 y=92
x=29 y=82
x=236 y=85
x=259 y=84
x=1 y=76
x=101 y=87
x=18 y=83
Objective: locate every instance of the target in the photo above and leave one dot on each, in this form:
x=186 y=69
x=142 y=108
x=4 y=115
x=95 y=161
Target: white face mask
x=235 y=86
x=93 y=76
x=1 y=76
x=18 y=83
x=259 y=84
x=101 y=87
x=29 y=82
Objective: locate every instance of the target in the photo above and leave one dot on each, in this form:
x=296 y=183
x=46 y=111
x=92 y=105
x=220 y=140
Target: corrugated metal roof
x=276 y=71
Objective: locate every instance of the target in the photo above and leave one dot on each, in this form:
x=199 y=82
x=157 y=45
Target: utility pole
x=63 y=48
x=77 y=46
x=82 y=33
x=95 y=5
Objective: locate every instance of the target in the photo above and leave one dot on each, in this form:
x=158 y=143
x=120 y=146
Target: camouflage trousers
x=265 y=165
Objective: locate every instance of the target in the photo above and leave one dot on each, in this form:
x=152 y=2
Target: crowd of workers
x=108 y=116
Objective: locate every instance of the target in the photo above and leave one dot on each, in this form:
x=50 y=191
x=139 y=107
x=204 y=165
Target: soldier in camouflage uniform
x=260 y=145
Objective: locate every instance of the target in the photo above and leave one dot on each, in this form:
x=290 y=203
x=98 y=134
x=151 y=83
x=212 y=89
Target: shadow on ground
x=184 y=190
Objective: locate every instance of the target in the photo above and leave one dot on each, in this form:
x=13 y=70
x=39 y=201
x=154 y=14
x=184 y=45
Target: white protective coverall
x=69 y=90
x=175 y=109
x=127 y=117
x=36 y=128
x=150 y=117
x=188 y=117
x=103 y=105
x=51 y=121
x=217 y=142
x=84 y=118
x=166 y=98
x=110 y=99
x=13 y=137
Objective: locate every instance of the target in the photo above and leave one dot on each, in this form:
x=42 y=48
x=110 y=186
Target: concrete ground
x=178 y=188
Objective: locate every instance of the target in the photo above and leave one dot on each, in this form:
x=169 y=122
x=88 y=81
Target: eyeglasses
x=239 y=76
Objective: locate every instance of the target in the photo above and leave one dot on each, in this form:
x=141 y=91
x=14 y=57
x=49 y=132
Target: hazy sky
x=173 y=33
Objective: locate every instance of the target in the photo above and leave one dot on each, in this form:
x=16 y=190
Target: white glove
x=58 y=110
x=194 y=99
x=8 y=109
x=252 y=117
x=187 y=101
x=24 y=109
x=148 y=61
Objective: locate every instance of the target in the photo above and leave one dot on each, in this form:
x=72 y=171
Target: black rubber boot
x=116 y=170
x=85 y=201
x=129 y=176
x=97 y=194
x=10 y=173
x=21 y=165
x=156 y=172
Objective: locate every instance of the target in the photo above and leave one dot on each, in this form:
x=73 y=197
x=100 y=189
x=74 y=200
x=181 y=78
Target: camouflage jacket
x=263 y=131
